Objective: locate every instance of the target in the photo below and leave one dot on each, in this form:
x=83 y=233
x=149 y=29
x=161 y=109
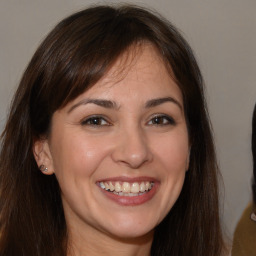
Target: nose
x=132 y=149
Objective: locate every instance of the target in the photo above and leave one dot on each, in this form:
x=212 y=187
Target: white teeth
x=107 y=186
x=135 y=188
x=142 y=187
x=111 y=186
x=102 y=185
x=126 y=188
x=118 y=187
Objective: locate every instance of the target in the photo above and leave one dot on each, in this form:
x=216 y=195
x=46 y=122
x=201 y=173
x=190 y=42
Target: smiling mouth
x=127 y=188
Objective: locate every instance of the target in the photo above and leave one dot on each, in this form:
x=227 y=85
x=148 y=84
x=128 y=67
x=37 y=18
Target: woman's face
x=120 y=150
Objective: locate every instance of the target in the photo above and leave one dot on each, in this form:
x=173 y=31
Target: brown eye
x=95 y=121
x=161 y=120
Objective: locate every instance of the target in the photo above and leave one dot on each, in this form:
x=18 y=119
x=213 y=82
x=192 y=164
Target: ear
x=43 y=157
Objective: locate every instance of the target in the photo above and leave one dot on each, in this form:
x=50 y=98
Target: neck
x=104 y=244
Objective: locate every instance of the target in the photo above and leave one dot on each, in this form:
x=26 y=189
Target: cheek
x=173 y=150
x=172 y=154
x=77 y=156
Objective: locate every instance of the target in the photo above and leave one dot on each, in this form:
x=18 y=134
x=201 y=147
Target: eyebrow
x=159 y=101
x=113 y=105
x=100 y=102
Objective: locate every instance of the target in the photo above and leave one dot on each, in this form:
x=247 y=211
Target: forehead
x=138 y=60
x=139 y=68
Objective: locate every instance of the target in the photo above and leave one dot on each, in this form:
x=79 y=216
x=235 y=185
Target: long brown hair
x=73 y=57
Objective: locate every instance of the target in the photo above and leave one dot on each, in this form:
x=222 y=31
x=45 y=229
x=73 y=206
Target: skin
x=126 y=140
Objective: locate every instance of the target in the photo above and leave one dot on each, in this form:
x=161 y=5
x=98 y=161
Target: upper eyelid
x=94 y=116
x=161 y=115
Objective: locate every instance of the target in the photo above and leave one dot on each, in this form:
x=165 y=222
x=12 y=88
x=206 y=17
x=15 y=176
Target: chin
x=128 y=230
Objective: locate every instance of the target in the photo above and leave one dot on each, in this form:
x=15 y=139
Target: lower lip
x=131 y=200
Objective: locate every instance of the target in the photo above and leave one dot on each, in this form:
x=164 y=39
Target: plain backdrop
x=222 y=34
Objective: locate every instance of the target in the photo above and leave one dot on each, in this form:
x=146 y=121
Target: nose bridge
x=132 y=147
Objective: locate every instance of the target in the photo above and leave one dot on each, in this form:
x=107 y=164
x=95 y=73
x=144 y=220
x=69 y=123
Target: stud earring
x=43 y=168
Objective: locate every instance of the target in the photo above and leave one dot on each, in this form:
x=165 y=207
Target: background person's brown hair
x=254 y=154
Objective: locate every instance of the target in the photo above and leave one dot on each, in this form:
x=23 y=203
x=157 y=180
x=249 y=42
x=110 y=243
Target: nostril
x=133 y=160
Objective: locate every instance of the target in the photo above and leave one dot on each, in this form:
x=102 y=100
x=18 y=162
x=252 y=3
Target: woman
x=108 y=148
x=244 y=242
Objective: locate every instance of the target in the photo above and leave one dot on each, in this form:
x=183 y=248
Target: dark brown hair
x=254 y=155
x=73 y=57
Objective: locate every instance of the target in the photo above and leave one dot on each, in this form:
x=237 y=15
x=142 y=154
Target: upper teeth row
x=127 y=187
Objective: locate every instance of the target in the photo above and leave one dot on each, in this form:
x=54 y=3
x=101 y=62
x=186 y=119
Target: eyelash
x=157 y=120
x=94 y=121
x=162 y=120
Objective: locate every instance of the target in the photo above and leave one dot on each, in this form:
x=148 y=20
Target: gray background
x=223 y=36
